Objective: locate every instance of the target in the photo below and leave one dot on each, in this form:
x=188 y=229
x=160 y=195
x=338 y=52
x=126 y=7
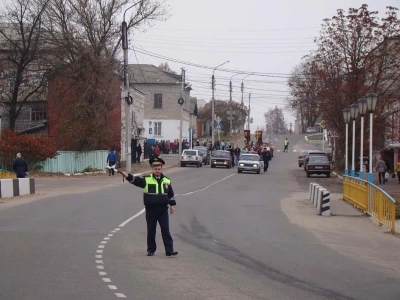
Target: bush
x=33 y=148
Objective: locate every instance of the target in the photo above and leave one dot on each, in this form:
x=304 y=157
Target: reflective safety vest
x=286 y=142
x=155 y=193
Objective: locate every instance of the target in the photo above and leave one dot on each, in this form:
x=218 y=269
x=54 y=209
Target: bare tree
x=23 y=55
x=166 y=68
x=88 y=34
x=275 y=121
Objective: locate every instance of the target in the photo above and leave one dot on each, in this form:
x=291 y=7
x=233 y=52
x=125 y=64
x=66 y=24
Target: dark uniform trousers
x=266 y=165
x=156 y=214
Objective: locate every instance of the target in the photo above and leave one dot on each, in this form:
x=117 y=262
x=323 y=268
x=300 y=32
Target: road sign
x=323 y=124
x=218 y=126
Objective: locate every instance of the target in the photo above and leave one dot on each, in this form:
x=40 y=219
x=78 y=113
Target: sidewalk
x=349 y=232
x=59 y=184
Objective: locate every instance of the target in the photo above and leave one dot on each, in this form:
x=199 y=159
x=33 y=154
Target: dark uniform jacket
x=156 y=192
x=266 y=155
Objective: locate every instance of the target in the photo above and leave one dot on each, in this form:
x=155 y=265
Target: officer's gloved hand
x=172 y=201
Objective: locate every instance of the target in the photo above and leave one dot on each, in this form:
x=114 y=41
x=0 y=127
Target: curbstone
x=320 y=197
x=337 y=175
x=16 y=187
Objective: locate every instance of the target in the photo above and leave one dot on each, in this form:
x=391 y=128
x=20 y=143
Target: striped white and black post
x=16 y=187
x=325 y=203
x=315 y=194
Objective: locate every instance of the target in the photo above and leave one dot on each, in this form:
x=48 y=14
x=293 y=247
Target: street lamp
x=242 y=88
x=354 y=114
x=230 y=102
x=362 y=109
x=372 y=99
x=128 y=99
x=347 y=117
x=213 y=102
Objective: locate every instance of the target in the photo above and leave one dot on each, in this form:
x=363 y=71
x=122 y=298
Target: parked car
x=311 y=130
x=221 y=158
x=312 y=153
x=205 y=153
x=302 y=155
x=250 y=162
x=191 y=157
x=318 y=164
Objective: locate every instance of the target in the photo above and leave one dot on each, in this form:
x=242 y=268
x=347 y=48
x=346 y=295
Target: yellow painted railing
x=7 y=175
x=371 y=199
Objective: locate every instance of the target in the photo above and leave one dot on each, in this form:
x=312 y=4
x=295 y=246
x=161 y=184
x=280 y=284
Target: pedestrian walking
x=20 y=166
x=266 y=155
x=381 y=169
x=286 y=144
x=398 y=171
x=158 y=195
x=111 y=161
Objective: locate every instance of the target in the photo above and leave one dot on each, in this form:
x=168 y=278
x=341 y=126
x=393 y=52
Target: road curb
x=337 y=176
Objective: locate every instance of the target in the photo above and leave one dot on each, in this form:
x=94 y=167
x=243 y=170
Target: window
x=157 y=128
x=157 y=100
x=38 y=113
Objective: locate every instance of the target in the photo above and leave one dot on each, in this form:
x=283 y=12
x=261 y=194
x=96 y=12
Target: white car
x=191 y=157
x=250 y=162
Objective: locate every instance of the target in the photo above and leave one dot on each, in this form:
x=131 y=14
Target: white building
x=161 y=109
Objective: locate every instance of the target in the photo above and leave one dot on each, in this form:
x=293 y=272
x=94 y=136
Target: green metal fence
x=75 y=162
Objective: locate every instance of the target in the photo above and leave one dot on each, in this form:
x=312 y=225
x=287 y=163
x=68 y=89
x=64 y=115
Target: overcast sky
x=265 y=36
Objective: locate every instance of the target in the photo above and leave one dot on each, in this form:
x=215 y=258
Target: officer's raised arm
x=135 y=180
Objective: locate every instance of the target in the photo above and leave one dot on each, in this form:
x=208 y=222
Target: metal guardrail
x=371 y=199
x=7 y=175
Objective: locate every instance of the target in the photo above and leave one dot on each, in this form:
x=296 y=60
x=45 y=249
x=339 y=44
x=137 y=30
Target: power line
x=226 y=51
x=235 y=30
x=145 y=52
x=197 y=38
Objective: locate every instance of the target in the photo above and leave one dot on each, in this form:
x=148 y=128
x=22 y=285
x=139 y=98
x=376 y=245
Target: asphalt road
x=233 y=239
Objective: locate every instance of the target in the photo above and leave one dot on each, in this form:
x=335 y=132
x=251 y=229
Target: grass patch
x=315 y=137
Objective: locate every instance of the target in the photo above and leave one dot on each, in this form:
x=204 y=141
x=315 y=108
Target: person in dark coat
x=158 y=195
x=266 y=155
x=20 y=166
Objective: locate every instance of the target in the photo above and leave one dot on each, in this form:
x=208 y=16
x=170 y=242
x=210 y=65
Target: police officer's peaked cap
x=156 y=161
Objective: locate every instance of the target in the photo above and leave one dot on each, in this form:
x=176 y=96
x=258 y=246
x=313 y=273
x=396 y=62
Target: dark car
x=302 y=155
x=206 y=154
x=221 y=158
x=312 y=153
x=318 y=164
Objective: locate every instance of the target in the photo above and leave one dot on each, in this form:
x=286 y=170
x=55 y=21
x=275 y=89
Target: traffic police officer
x=157 y=195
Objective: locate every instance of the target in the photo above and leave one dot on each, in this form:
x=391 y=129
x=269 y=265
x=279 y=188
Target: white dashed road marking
x=103 y=243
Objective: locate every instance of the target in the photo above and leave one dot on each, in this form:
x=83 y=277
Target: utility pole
x=230 y=108
x=212 y=110
x=128 y=133
x=242 y=88
x=213 y=102
x=181 y=104
x=248 y=119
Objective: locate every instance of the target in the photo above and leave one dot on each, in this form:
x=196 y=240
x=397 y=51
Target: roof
x=149 y=74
